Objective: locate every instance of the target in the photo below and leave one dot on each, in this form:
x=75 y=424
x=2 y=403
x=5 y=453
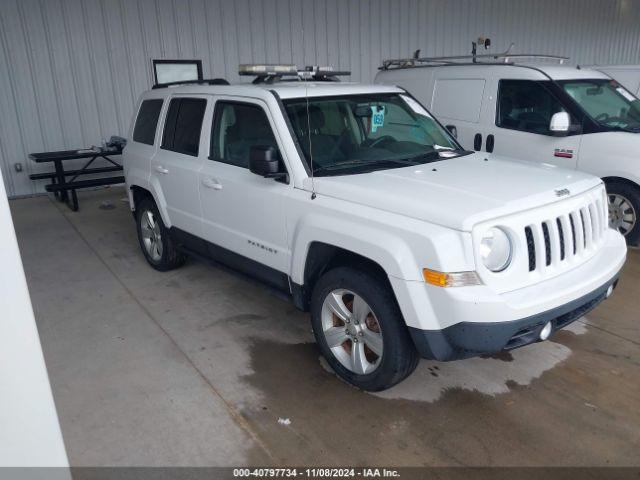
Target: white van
x=552 y=114
x=627 y=75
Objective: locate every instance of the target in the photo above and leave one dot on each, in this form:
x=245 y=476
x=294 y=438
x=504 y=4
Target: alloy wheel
x=151 y=235
x=352 y=331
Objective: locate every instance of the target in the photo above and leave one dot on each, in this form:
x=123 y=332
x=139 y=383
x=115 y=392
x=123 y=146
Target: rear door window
x=147 y=121
x=183 y=125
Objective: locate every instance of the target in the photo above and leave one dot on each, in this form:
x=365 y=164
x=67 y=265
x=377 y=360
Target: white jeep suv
x=358 y=203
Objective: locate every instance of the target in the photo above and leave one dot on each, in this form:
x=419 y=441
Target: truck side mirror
x=560 y=124
x=265 y=161
x=452 y=130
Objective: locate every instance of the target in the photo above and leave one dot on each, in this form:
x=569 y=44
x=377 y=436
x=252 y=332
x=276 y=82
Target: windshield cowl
x=351 y=167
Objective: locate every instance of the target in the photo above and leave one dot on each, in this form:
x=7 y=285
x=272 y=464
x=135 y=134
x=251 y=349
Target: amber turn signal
x=456 y=279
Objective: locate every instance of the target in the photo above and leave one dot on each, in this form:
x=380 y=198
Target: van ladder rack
x=505 y=57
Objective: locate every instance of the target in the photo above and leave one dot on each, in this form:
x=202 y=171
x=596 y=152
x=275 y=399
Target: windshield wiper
x=438 y=154
x=447 y=152
x=617 y=128
x=426 y=157
x=440 y=148
x=364 y=163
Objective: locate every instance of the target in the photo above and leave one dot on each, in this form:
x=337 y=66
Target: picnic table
x=65 y=190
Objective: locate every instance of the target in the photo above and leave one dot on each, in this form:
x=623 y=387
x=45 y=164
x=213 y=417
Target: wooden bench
x=69 y=173
x=73 y=186
x=61 y=187
x=53 y=176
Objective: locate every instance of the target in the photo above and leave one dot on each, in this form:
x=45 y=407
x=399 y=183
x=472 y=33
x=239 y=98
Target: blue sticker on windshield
x=418 y=133
x=377 y=117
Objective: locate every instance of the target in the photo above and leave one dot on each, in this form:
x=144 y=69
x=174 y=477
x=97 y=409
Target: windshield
x=359 y=133
x=607 y=102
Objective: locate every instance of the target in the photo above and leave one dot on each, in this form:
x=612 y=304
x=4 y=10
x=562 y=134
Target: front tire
x=156 y=243
x=360 y=331
x=624 y=208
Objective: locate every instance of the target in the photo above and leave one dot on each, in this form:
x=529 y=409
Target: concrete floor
x=196 y=366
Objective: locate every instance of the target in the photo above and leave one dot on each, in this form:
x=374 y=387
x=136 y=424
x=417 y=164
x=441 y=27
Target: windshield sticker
x=628 y=95
x=415 y=106
x=377 y=117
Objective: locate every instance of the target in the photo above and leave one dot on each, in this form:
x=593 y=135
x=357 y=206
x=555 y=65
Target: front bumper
x=470 y=339
x=460 y=322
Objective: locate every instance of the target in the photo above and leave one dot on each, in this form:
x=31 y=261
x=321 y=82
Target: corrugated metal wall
x=70 y=70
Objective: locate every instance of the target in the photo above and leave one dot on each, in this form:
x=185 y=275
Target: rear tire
x=351 y=308
x=156 y=243
x=624 y=208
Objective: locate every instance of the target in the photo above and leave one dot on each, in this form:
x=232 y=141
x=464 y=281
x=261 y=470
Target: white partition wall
x=30 y=433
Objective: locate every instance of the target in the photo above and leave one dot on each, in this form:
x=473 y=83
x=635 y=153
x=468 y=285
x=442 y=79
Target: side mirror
x=560 y=124
x=452 y=130
x=265 y=161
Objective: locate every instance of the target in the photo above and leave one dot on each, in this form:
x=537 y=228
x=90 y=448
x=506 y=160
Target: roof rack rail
x=505 y=57
x=202 y=81
x=270 y=73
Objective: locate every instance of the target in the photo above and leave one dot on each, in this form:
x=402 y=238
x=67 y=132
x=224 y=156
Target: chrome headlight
x=495 y=249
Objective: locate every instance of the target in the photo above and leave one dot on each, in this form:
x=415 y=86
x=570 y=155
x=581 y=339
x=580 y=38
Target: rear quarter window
x=458 y=99
x=147 y=121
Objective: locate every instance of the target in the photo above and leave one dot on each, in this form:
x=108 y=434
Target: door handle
x=490 y=143
x=477 y=142
x=212 y=183
x=162 y=170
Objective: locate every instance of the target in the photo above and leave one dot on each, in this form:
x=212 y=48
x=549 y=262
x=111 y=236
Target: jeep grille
x=560 y=239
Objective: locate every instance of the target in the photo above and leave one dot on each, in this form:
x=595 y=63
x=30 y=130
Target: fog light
x=546 y=331
x=609 y=291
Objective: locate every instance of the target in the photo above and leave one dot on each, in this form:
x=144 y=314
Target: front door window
x=526 y=106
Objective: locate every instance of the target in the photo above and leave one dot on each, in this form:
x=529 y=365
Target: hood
x=460 y=192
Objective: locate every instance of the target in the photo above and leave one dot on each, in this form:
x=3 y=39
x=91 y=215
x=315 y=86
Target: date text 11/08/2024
x=315 y=473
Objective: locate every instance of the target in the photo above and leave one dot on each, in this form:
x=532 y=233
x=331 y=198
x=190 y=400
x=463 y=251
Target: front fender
x=626 y=175
x=611 y=154
x=400 y=254
x=359 y=239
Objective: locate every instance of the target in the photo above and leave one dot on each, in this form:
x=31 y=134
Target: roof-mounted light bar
x=323 y=71
x=267 y=73
x=267 y=69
